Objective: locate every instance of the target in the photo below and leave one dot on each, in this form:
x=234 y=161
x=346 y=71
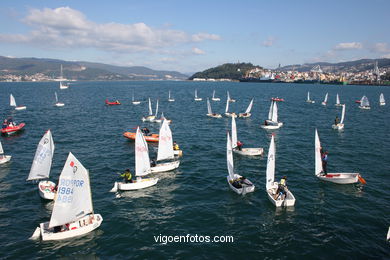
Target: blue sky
x=191 y=36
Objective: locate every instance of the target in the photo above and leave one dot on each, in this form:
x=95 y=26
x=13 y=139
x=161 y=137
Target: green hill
x=233 y=71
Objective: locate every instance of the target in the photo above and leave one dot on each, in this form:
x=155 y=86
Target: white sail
x=156 y=109
x=342 y=115
x=132 y=98
x=270 y=175
x=150 y=108
x=169 y=94
x=326 y=98
x=196 y=93
x=228 y=96
x=55 y=93
x=40 y=168
x=274 y=113
x=1 y=149
x=308 y=96
x=142 y=161
x=209 y=111
x=364 y=102
x=12 y=101
x=337 y=99
x=234 y=133
x=213 y=94
x=270 y=111
x=227 y=106
x=318 y=160
x=74 y=199
x=382 y=99
x=229 y=157
x=165 y=143
x=249 y=108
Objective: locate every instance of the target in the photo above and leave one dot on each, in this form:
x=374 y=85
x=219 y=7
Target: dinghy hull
x=340 y=178
x=5 y=158
x=245 y=189
x=338 y=126
x=137 y=184
x=12 y=129
x=148 y=138
x=46 y=190
x=165 y=167
x=215 y=115
x=288 y=201
x=250 y=151
x=244 y=115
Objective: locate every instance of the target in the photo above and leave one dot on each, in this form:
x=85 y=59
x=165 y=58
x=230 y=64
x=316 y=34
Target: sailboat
x=215 y=98
x=150 y=117
x=325 y=100
x=62 y=85
x=243 y=151
x=58 y=104
x=237 y=183
x=338 y=101
x=272 y=121
x=165 y=151
x=73 y=213
x=142 y=167
x=308 y=98
x=196 y=98
x=364 y=104
x=227 y=113
x=272 y=185
x=382 y=101
x=210 y=112
x=40 y=168
x=340 y=125
x=339 y=178
x=229 y=98
x=247 y=112
x=162 y=118
x=10 y=127
x=170 y=99
x=4 y=158
x=12 y=103
x=134 y=102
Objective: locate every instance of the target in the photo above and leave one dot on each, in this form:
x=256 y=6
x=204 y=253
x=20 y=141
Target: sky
x=191 y=36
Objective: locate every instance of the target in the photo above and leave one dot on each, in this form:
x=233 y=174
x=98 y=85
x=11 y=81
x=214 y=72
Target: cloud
x=386 y=56
x=348 y=46
x=380 y=47
x=65 y=27
x=269 y=42
x=198 y=51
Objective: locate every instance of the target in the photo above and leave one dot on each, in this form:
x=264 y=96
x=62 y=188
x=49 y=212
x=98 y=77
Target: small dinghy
x=278 y=200
x=196 y=98
x=150 y=117
x=364 y=104
x=12 y=103
x=308 y=98
x=142 y=167
x=73 y=213
x=58 y=104
x=272 y=121
x=229 y=98
x=247 y=112
x=338 y=101
x=382 y=101
x=4 y=158
x=339 y=178
x=62 y=85
x=215 y=98
x=340 y=125
x=236 y=182
x=227 y=113
x=10 y=128
x=210 y=112
x=148 y=138
x=134 y=102
x=325 y=100
x=277 y=99
x=41 y=165
x=112 y=103
x=161 y=119
x=170 y=99
x=165 y=156
x=243 y=151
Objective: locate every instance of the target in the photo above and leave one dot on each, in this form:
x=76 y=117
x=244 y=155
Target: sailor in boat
x=74 y=225
x=239 y=145
x=336 y=121
x=175 y=146
x=324 y=159
x=127 y=176
x=145 y=131
x=282 y=189
x=5 y=124
x=241 y=182
x=153 y=163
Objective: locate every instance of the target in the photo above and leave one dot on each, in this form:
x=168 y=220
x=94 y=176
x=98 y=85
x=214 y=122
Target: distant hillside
x=80 y=70
x=348 y=66
x=232 y=71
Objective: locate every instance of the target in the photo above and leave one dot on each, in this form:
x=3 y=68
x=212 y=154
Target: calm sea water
x=328 y=220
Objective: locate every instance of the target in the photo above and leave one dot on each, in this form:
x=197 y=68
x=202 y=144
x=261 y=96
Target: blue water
x=328 y=220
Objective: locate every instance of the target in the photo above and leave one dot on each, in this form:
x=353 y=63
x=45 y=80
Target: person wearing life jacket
x=336 y=121
x=175 y=146
x=127 y=176
x=239 y=145
x=324 y=159
x=281 y=191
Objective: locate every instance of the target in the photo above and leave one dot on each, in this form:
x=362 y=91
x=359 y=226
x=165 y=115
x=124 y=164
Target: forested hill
x=232 y=71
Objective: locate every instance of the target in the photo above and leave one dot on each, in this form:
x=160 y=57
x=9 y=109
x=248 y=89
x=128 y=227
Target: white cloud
x=387 y=56
x=348 y=46
x=380 y=47
x=65 y=27
x=269 y=42
x=198 y=51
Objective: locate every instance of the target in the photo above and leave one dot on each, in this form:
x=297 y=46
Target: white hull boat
x=196 y=98
x=165 y=167
x=340 y=126
x=12 y=103
x=325 y=100
x=288 y=201
x=308 y=100
x=247 y=186
x=170 y=99
x=215 y=98
x=139 y=183
x=364 y=104
x=249 y=151
x=210 y=112
x=5 y=158
x=244 y=115
x=231 y=115
x=273 y=126
x=272 y=122
x=382 y=101
x=47 y=190
x=58 y=104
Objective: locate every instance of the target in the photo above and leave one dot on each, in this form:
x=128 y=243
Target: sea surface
x=328 y=220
